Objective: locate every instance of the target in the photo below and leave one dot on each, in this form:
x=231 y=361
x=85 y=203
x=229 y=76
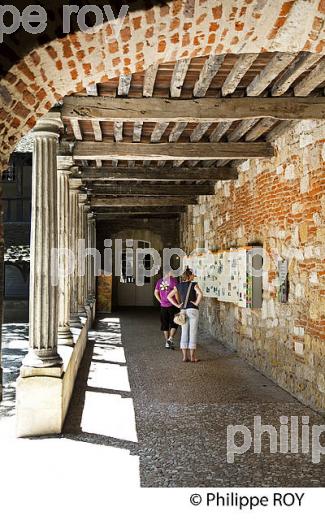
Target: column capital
x=65 y=163
x=82 y=198
x=49 y=125
x=75 y=184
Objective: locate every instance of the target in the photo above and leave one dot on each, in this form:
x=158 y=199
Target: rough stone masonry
x=280 y=204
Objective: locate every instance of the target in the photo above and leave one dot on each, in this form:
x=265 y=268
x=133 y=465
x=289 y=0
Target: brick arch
x=161 y=33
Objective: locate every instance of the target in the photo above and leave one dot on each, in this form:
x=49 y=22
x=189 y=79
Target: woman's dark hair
x=187 y=274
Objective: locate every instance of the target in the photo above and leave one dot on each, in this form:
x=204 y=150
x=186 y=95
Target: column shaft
x=43 y=314
x=74 y=235
x=65 y=336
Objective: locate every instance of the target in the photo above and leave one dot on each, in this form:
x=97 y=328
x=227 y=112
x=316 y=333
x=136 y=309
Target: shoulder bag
x=180 y=318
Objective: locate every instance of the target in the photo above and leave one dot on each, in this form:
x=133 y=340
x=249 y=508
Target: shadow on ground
x=151 y=419
x=181 y=411
x=14 y=348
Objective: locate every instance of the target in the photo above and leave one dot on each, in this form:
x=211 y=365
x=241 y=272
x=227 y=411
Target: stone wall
x=280 y=203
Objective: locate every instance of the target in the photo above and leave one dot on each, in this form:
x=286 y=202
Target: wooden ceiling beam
x=200 y=110
x=151 y=189
x=106 y=151
x=163 y=215
x=138 y=210
x=125 y=201
x=139 y=173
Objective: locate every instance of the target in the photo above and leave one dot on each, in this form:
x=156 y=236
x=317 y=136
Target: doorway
x=129 y=293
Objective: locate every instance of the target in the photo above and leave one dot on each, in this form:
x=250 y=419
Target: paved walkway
x=181 y=410
x=142 y=417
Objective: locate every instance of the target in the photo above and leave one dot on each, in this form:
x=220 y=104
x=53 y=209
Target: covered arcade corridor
x=146 y=418
x=188 y=124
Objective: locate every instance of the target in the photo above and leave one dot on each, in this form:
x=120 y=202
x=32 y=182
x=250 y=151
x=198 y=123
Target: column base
x=65 y=336
x=39 y=408
x=75 y=322
x=44 y=394
x=41 y=359
x=82 y=311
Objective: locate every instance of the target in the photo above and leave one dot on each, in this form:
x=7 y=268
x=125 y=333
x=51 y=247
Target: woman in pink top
x=167 y=310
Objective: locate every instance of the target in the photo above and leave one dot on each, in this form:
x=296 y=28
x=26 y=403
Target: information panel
x=228 y=275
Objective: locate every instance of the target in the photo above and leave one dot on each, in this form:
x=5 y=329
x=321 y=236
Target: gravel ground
x=182 y=410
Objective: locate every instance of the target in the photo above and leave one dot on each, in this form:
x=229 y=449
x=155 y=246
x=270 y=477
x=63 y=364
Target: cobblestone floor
x=134 y=394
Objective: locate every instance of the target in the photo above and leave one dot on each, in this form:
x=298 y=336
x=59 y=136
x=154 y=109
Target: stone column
x=91 y=261
x=94 y=242
x=82 y=271
x=86 y=209
x=44 y=294
x=74 y=187
x=64 y=333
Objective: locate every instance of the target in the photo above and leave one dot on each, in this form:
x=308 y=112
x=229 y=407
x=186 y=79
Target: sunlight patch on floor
x=106 y=412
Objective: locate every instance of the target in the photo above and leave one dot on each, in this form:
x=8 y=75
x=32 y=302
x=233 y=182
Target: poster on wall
x=225 y=275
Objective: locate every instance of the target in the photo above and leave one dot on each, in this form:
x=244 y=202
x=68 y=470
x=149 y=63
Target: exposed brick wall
x=178 y=29
x=280 y=203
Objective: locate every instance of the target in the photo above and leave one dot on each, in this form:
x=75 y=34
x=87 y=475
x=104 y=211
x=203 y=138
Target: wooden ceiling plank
x=92 y=90
x=118 y=131
x=315 y=77
x=263 y=126
x=242 y=128
x=236 y=74
x=279 y=62
x=76 y=129
x=158 y=132
x=280 y=129
x=173 y=138
x=149 y=80
x=178 y=77
x=199 y=131
x=208 y=72
x=303 y=62
x=124 y=84
x=97 y=130
x=307 y=87
x=177 y=132
x=197 y=135
x=219 y=131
